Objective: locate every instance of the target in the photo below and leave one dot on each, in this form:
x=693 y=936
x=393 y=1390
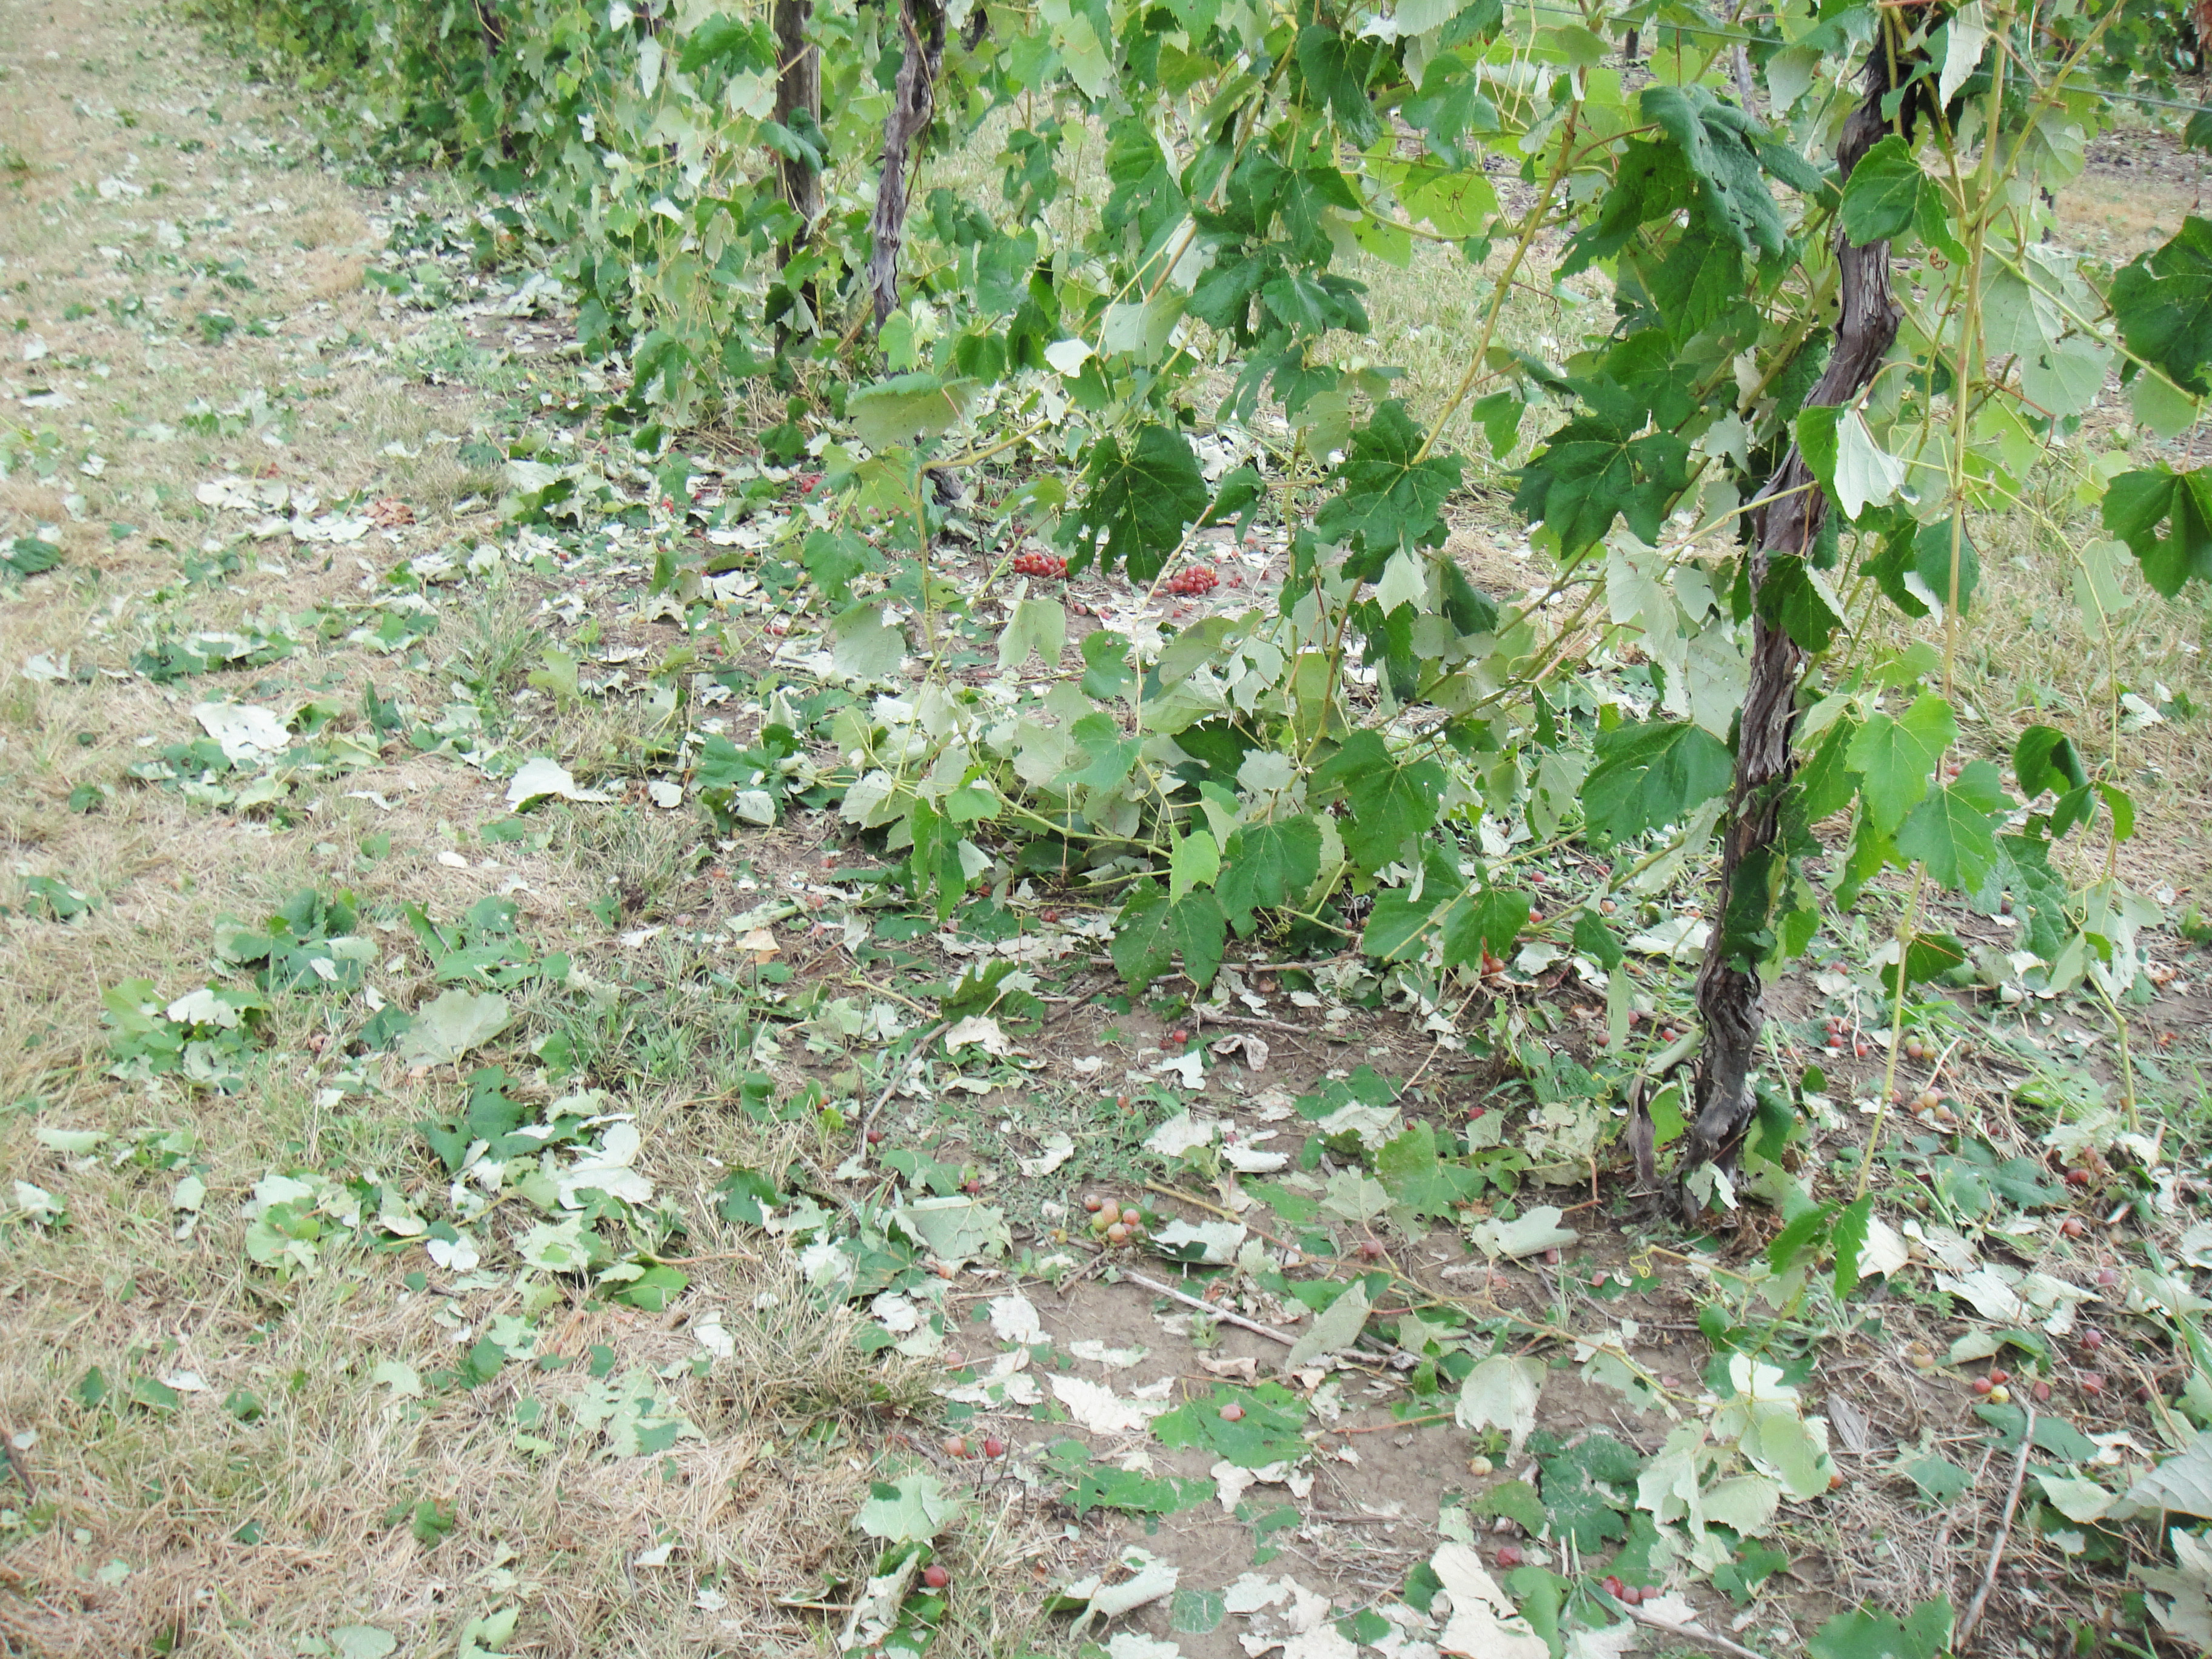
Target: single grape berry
x=956 y=1445
x=1117 y=1234
x=994 y=1447
x=1232 y=1413
x=1509 y=1555
x=1093 y=1203
x=935 y=1576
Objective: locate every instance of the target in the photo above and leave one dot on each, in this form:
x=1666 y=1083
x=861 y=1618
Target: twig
x=1398 y=1423
x=1202 y=1015
x=1951 y=1514
x=1351 y=1518
x=2004 y=1535
x=701 y=1261
x=1695 y=1634
x=898 y=1076
x=1207 y=1307
x=19 y=1464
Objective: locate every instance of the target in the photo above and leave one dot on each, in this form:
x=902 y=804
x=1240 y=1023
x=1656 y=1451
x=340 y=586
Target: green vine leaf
x=1336 y=66
x=1483 y=923
x=1895 y=758
x=2162 y=302
x=1153 y=930
x=1720 y=144
x=1650 y=774
x=2136 y=503
x=1602 y=465
x=1141 y=500
x=1389 y=499
x=1954 y=831
x=1389 y=804
x=907 y=409
x=1267 y=865
x=1883 y=193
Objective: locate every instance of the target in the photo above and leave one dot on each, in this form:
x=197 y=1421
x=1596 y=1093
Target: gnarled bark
x=913 y=100
x=1730 y=999
x=798 y=88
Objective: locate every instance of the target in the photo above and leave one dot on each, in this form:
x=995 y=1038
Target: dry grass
x=133 y=1543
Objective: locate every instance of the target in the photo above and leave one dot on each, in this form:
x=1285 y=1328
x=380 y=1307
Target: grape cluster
x=1041 y=564
x=1196 y=579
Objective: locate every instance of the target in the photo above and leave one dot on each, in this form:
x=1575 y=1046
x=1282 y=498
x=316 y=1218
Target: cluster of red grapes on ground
x=1111 y=1222
x=1187 y=583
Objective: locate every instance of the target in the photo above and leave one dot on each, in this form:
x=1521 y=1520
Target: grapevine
x=1821 y=336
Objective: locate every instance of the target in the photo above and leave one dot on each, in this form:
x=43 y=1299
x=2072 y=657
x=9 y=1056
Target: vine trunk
x=913 y=100
x=1730 y=992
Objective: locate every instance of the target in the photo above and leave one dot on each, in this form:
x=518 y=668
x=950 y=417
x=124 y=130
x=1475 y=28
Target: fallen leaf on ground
x=1213 y=1243
x=540 y=777
x=1336 y=1328
x=913 y=1510
x=1055 y=1150
x=1253 y=1050
x=1181 y=1133
x=1534 y=1230
x=243 y=730
x=2188 y=1583
x=1150 y=1579
x=1098 y=1408
x=1485 y=1624
x=980 y=1031
x=1014 y=1319
x=450 y=1024
x=1501 y=1393
x=1098 y=1353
